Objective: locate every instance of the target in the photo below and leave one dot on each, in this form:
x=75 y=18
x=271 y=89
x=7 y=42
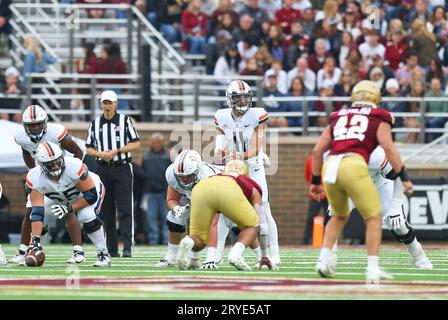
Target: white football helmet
x=50 y=157
x=187 y=168
x=239 y=96
x=34 y=120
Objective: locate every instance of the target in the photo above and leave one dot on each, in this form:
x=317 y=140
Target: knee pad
x=174 y=227
x=37 y=214
x=92 y=226
x=264 y=229
x=407 y=238
x=236 y=230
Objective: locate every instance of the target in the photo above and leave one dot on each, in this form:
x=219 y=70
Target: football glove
x=395 y=221
x=60 y=210
x=395 y=216
x=179 y=211
x=209 y=265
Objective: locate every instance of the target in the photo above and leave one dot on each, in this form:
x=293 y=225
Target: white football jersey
x=238 y=132
x=64 y=190
x=207 y=170
x=55 y=133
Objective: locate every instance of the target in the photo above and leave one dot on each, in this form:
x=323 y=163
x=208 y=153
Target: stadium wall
x=288 y=189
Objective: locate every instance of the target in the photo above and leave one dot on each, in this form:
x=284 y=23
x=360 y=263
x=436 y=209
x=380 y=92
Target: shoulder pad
x=384 y=115
x=261 y=114
x=377 y=159
x=58 y=131
x=73 y=167
x=83 y=172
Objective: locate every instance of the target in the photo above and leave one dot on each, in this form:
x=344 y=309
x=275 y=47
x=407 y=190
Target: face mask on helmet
x=241 y=102
x=188 y=181
x=36 y=130
x=53 y=168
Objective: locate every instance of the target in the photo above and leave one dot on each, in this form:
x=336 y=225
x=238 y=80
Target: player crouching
x=73 y=188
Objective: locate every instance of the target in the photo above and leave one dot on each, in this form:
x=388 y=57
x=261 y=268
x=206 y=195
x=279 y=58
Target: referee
x=111 y=139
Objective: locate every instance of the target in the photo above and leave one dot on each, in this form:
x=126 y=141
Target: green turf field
x=135 y=278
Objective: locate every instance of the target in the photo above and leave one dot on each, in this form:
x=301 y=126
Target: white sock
x=236 y=251
x=223 y=232
x=211 y=254
x=325 y=255
x=23 y=247
x=257 y=252
x=373 y=262
x=172 y=252
x=98 y=239
x=334 y=249
x=273 y=233
x=414 y=247
x=195 y=255
x=77 y=248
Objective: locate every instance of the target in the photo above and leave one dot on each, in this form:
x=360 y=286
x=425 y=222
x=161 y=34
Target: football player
x=72 y=189
x=351 y=136
x=390 y=190
x=238 y=198
x=240 y=134
x=35 y=130
x=187 y=170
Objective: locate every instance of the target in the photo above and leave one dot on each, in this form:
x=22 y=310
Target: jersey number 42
x=343 y=130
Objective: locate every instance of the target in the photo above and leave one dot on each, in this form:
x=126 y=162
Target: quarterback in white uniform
x=240 y=135
x=35 y=130
x=72 y=188
x=390 y=190
x=181 y=176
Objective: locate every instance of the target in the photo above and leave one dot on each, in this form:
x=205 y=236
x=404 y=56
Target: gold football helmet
x=236 y=166
x=366 y=91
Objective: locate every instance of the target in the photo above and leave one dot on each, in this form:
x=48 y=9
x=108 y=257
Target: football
x=35 y=258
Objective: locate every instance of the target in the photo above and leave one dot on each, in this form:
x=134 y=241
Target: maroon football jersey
x=354 y=129
x=246 y=184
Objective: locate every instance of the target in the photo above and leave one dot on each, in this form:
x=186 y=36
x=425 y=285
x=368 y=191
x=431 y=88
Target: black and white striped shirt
x=112 y=134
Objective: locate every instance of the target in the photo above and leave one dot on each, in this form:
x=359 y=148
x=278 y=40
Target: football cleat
x=240 y=264
x=3 y=261
x=376 y=274
x=218 y=259
x=195 y=264
x=77 y=257
x=185 y=253
x=420 y=260
x=18 y=259
x=265 y=262
x=327 y=269
x=103 y=260
x=209 y=265
x=164 y=263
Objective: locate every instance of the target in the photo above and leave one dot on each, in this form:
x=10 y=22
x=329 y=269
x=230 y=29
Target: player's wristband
x=403 y=174
x=316 y=180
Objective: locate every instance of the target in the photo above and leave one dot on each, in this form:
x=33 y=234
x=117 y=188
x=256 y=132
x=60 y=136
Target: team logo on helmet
x=50 y=157
x=34 y=120
x=187 y=168
x=239 y=96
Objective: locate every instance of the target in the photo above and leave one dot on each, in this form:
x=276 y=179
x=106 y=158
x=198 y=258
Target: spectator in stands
x=302 y=5
x=435 y=71
x=372 y=47
x=296 y=30
x=229 y=64
x=417 y=90
x=421 y=12
x=376 y=75
x=264 y=57
x=276 y=43
x=271 y=105
x=286 y=15
x=194 y=28
x=247 y=48
x=439 y=22
x=258 y=14
x=154 y=164
x=252 y=69
x=112 y=63
x=5 y=15
x=350 y=24
x=329 y=71
x=226 y=23
x=423 y=43
x=308 y=21
x=96 y=13
x=316 y=60
x=88 y=64
x=322 y=32
x=396 y=50
x=405 y=13
x=330 y=12
x=343 y=88
x=295 y=51
x=150 y=9
x=225 y=8
x=11 y=87
x=393 y=91
x=347 y=44
x=169 y=19
x=282 y=76
x=216 y=49
x=379 y=63
x=35 y=60
x=404 y=74
x=264 y=31
x=245 y=27
x=435 y=106
x=297 y=90
x=271 y=7
x=353 y=64
x=324 y=105
x=302 y=71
